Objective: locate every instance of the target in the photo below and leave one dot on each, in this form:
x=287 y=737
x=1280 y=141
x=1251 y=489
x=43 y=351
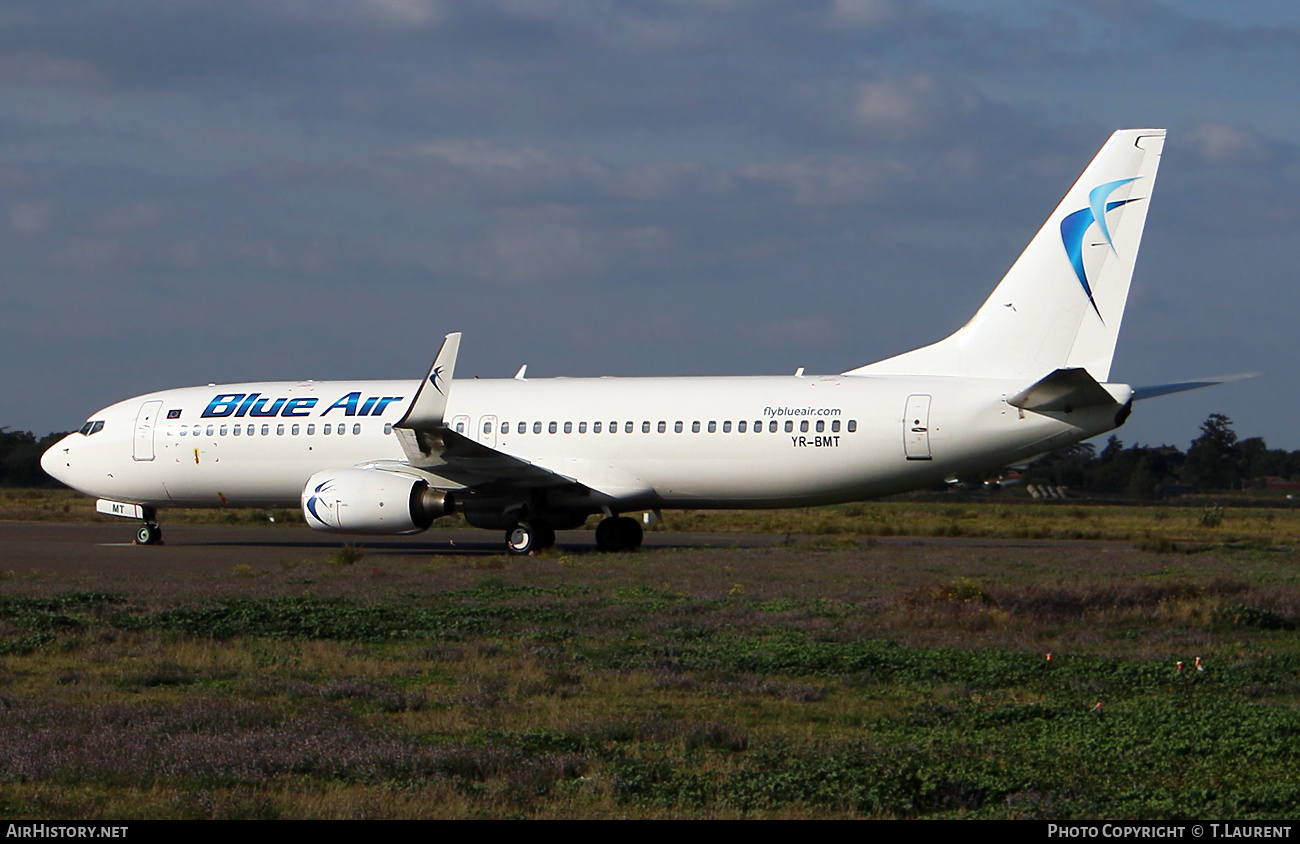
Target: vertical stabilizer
x=1061 y=304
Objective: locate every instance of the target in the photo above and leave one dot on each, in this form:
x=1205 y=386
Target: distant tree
x=20 y=458
x=1066 y=467
x=1212 y=460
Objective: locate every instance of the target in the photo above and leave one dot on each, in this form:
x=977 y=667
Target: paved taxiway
x=71 y=548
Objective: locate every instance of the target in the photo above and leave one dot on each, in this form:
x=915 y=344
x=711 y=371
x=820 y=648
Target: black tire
x=608 y=535
x=545 y=536
x=629 y=531
x=148 y=535
x=521 y=540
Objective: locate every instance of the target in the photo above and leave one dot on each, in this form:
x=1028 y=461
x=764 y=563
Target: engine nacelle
x=372 y=501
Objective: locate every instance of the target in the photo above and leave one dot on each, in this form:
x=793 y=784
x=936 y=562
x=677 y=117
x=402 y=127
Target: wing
x=449 y=460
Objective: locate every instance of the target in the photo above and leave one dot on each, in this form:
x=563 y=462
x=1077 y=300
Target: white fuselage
x=639 y=442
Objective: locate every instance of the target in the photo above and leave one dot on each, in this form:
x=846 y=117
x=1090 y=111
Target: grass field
x=820 y=679
x=1258 y=520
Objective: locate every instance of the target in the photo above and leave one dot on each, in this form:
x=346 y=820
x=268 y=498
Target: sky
x=195 y=192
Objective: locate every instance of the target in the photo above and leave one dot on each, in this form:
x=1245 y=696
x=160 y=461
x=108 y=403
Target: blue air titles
x=255 y=404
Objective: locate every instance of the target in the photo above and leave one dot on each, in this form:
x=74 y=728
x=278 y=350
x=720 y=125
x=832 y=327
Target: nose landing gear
x=149 y=534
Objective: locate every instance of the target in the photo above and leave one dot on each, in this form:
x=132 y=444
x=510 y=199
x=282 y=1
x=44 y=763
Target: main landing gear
x=526 y=537
x=618 y=533
x=149 y=534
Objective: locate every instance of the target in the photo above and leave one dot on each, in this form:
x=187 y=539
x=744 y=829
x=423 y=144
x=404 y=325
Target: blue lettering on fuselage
x=255 y=404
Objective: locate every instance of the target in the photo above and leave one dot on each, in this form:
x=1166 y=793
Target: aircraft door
x=916 y=428
x=487 y=431
x=144 y=428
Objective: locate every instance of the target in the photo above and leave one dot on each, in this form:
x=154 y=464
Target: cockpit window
x=94 y=426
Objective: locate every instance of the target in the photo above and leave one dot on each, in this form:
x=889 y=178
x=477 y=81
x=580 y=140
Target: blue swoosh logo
x=311 y=502
x=1075 y=227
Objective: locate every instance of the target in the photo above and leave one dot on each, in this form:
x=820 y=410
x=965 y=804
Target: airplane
x=1028 y=374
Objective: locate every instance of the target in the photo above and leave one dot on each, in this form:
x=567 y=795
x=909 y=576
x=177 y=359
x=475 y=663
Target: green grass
x=895 y=681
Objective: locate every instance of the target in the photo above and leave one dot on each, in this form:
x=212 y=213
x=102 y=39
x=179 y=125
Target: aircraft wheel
x=545 y=536
x=521 y=539
x=618 y=533
x=148 y=534
x=629 y=532
x=608 y=535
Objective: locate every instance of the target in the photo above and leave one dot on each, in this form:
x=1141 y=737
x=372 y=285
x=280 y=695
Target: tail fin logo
x=1075 y=227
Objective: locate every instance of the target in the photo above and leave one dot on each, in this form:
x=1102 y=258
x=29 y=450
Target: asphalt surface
x=70 y=548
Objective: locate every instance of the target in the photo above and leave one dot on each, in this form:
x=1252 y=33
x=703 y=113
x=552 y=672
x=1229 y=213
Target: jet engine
x=372 y=501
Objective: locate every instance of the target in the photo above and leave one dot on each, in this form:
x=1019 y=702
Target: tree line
x=20 y=458
x=1216 y=460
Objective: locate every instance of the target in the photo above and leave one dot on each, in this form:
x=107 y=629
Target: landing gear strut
x=148 y=534
x=618 y=533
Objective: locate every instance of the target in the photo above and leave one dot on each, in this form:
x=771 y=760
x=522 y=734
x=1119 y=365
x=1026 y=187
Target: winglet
x=430 y=403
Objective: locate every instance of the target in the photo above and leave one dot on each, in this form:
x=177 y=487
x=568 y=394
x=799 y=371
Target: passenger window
x=613 y=427
x=803 y=426
x=460 y=427
x=184 y=430
x=222 y=430
x=663 y=427
x=789 y=425
x=835 y=426
x=266 y=430
x=552 y=428
x=726 y=427
x=294 y=430
x=487 y=427
x=522 y=427
x=627 y=427
x=582 y=427
x=537 y=427
x=677 y=427
x=356 y=429
x=771 y=427
x=249 y=432
x=341 y=429
x=327 y=430
x=645 y=427
x=279 y=430
x=236 y=431
x=740 y=427
x=568 y=427
x=388 y=428
x=853 y=425
x=713 y=427
x=695 y=427
x=821 y=426
x=595 y=427
x=311 y=429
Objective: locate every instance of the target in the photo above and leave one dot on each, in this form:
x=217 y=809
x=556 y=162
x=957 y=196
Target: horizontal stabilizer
x=1183 y=386
x=1063 y=390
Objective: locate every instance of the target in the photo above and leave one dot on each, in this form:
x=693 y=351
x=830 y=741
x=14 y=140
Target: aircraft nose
x=55 y=460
